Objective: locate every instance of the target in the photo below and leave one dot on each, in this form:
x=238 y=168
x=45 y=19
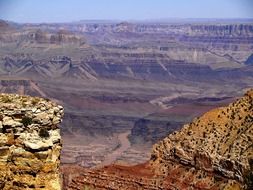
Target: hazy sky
x=75 y=10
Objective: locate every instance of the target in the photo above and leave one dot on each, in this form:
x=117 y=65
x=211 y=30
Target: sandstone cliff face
x=220 y=141
x=214 y=152
x=30 y=143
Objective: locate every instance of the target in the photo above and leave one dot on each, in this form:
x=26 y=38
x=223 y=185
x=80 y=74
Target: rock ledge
x=30 y=143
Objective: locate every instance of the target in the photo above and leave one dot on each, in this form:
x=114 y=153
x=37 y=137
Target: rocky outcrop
x=11 y=33
x=30 y=143
x=220 y=141
x=59 y=37
x=213 y=152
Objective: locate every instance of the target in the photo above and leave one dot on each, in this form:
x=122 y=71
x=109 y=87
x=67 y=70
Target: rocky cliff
x=30 y=143
x=219 y=142
x=215 y=151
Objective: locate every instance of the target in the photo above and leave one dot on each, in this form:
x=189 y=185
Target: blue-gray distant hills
x=127 y=50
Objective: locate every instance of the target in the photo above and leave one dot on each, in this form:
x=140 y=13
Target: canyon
x=214 y=151
x=125 y=86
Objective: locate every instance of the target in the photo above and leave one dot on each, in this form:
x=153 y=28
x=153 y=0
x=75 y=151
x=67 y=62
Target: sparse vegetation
x=6 y=99
x=44 y=133
x=26 y=121
x=35 y=101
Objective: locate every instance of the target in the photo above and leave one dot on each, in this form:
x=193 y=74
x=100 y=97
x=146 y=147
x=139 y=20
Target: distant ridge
x=157 y=21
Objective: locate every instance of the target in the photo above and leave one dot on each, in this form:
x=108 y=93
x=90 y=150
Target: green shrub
x=26 y=121
x=43 y=133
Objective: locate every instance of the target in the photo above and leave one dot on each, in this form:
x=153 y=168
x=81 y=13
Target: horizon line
x=163 y=20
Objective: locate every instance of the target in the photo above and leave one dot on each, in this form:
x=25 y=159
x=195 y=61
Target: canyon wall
x=212 y=152
x=30 y=143
x=220 y=142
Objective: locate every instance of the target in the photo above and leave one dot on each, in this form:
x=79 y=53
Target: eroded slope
x=213 y=152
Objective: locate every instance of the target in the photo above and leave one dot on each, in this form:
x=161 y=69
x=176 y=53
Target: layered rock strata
x=30 y=143
x=213 y=152
x=221 y=141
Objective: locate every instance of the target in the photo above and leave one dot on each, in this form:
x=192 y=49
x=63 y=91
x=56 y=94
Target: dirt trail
x=124 y=145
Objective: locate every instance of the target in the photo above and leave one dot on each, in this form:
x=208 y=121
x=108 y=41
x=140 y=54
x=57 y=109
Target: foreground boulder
x=30 y=143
